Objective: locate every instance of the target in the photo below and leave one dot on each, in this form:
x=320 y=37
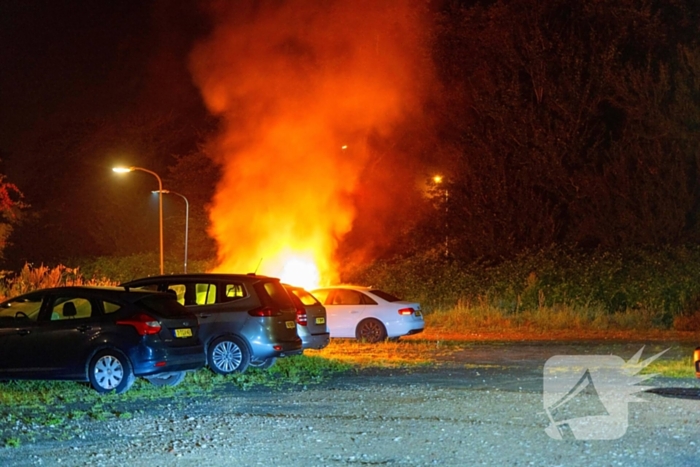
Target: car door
x=18 y=326
x=345 y=309
x=66 y=333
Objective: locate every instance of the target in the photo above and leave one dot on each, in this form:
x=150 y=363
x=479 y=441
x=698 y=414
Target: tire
x=167 y=379
x=263 y=364
x=110 y=371
x=228 y=354
x=370 y=330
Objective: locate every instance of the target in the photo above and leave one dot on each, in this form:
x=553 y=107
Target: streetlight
x=122 y=170
x=438 y=179
x=187 y=217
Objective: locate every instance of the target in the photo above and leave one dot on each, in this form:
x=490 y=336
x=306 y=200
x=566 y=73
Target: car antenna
x=257 y=267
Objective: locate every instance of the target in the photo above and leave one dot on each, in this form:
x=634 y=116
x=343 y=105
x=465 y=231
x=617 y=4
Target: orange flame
x=299 y=86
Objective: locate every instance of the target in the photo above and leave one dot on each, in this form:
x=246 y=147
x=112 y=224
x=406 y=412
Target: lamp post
x=160 y=203
x=438 y=179
x=187 y=217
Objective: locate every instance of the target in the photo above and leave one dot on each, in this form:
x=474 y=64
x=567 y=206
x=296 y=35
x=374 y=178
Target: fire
x=299 y=88
x=302 y=273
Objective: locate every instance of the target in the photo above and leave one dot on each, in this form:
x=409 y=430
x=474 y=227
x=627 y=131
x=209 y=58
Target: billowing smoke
x=299 y=85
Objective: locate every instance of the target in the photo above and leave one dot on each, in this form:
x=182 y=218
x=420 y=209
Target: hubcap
x=109 y=372
x=227 y=356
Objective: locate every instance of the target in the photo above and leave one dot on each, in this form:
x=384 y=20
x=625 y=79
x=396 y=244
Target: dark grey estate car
x=244 y=319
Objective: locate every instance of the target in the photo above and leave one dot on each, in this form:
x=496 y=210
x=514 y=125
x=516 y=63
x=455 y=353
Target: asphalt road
x=483 y=405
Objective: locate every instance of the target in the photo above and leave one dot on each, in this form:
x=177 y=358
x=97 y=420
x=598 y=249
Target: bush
x=662 y=285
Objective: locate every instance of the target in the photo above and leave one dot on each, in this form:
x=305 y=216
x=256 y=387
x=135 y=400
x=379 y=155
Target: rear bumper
x=404 y=327
x=276 y=349
x=316 y=341
x=696 y=362
x=167 y=360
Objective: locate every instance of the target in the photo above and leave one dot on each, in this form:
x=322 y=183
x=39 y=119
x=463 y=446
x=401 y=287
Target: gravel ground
x=456 y=415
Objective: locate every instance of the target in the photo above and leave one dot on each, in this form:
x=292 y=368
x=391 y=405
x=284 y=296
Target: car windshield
x=165 y=306
x=384 y=296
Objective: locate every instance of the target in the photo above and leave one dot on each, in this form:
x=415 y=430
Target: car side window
x=68 y=308
x=110 y=307
x=205 y=294
x=365 y=300
x=179 y=290
x=233 y=291
x=347 y=297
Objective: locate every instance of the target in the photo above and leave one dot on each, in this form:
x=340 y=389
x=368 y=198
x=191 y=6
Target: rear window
x=165 y=307
x=305 y=297
x=384 y=296
x=275 y=290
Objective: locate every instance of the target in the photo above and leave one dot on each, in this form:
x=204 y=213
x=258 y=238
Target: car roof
x=350 y=287
x=96 y=291
x=200 y=276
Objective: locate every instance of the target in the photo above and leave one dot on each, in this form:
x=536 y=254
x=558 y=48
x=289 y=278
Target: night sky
x=71 y=62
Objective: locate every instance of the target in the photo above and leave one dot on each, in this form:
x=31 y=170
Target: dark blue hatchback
x=104 y=335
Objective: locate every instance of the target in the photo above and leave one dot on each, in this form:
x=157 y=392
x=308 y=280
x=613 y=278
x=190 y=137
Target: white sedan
x=368 y=314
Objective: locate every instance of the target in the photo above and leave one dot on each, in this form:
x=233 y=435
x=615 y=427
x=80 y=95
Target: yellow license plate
x=184 y=332
x=291 y=324
x=320 y=320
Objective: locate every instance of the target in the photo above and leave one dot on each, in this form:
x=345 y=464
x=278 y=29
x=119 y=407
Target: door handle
x=204 y=316
x=23 y=332
x=84 y=328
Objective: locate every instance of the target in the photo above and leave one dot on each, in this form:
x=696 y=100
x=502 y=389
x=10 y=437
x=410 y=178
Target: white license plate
x=184 y=332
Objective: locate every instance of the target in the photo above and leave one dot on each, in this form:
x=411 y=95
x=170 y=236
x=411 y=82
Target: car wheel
x=228 y=355
x=109 y=371
x=167 y=379
x=370 y=330
x=263 y=364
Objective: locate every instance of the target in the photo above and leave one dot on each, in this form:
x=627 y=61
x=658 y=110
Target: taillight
x=263 y=311
x=406 y=311
x=143 y=323
x=302 y=320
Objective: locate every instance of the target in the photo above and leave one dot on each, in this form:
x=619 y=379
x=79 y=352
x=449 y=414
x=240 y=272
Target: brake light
x=143 y=323
x=302 y=320
x=263 y=311
x=406 y=311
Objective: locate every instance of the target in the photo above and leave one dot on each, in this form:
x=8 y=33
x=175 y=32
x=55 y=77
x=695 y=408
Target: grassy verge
x=389 y=354
x=482 y=321
x=672 y=368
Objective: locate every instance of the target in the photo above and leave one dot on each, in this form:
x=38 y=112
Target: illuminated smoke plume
x=294 y=82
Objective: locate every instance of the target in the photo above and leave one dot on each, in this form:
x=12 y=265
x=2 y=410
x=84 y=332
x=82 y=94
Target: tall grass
x=31 y=278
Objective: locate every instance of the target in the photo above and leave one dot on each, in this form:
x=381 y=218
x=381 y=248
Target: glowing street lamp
x=122 y=170
x=187 y=217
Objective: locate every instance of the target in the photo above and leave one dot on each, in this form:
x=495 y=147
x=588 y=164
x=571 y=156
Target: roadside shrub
x=31 y=278
x=653 y=288
x=124 y=268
